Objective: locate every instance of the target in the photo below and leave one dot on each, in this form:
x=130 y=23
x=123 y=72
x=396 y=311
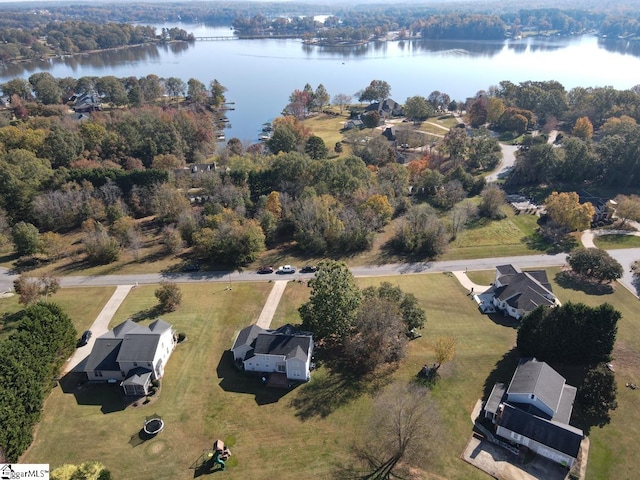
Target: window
x=281 y=368
x=135 y=364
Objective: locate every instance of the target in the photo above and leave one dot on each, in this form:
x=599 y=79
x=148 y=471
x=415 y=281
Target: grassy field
x=81 y=304
x=610 y=242
x=513 y=235
x=313 y=427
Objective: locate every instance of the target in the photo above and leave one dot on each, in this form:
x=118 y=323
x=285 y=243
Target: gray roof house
x=285 y=350
x=132 y=354
x=534 y=411
x=518 y=292
x=87 y=102
x=353 y=123
x=386 y=108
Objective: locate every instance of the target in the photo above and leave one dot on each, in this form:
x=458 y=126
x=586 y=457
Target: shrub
x=169 y=296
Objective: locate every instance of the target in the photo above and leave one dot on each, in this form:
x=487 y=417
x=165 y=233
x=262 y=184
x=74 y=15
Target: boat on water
x=221 y=137
x=264 y=136
x=267 y=127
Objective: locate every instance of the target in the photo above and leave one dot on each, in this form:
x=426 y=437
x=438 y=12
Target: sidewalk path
x=270 y=306
x=98 y=327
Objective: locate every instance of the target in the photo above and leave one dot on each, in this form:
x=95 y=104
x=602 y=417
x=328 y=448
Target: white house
x=534 y=411
x=518 y=292
x=132 y=354
x=286 y=350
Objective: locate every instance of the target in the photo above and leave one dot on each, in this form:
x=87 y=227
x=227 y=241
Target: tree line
x=30 y=361
x=350 y=21
x=70 y=37
x=99 y=176
x=608 y=157
x=355 y=25
x=578 y=335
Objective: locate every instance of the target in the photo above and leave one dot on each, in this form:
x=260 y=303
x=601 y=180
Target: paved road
x=6 y=279
x=624 y=256
x=508 y=159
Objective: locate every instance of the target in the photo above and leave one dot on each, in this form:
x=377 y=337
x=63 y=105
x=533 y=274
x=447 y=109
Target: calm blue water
x=261 y=74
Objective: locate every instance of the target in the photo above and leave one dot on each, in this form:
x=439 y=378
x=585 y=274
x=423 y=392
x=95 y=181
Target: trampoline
x=153 y=426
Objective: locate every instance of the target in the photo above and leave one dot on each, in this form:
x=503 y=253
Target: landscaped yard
x=81 y=304
x=514 y=235
x=609 y=242
x=309 y=432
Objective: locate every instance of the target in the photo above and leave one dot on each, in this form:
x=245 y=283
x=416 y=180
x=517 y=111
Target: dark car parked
x=84 y=339
x=265 y=270
x=309 y=269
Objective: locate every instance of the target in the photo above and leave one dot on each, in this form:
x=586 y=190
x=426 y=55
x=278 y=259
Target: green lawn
x=200 y=406
x=484 y=238
x=81 y=304
x=202 y=398
x=609 y=242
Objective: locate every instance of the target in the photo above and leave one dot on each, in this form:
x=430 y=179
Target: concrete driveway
x=99 y=327
x=508 y=160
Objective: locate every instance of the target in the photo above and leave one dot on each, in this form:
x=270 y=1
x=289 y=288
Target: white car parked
x=287 y=269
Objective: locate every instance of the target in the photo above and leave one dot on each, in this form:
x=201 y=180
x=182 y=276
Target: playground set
x=220 y=454
x=210 y=460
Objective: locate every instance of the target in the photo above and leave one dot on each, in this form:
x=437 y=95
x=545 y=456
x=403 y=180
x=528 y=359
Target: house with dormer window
x=285 y=350
x=131 y=354
x=517 y=292
x=534 y=411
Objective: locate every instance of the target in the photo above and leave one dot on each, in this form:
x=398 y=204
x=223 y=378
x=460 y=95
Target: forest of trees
x=69 y=37
x=348 y=23
x=101 y=174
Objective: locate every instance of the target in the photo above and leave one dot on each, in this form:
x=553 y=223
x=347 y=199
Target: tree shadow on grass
x=502 y=371
x=536 y=242
x=233 y=380
x=571 y=281
x=108 y=396
x=147 y=314
x=336 y=386
x=325 y=394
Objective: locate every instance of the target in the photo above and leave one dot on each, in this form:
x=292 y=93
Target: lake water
x=261 y=74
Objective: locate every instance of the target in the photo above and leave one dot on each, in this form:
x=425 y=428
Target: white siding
x=297 y=370
x=535 y=401
x=264 y=363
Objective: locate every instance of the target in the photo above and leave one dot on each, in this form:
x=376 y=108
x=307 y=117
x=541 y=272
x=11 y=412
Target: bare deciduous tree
x=460 y=215
x=403 y=432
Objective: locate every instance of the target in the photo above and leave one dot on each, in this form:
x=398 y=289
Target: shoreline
x=88 y=52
